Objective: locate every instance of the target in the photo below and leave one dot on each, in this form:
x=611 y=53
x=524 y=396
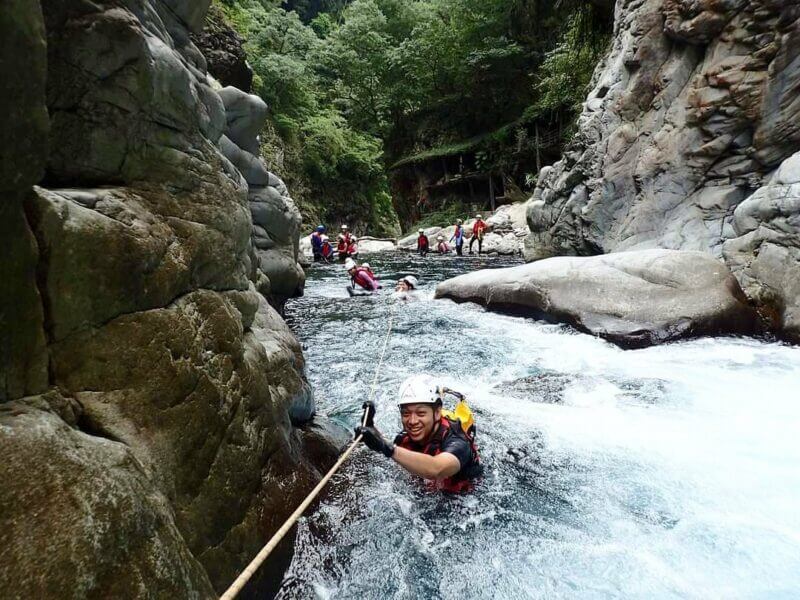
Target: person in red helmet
x=431 y=445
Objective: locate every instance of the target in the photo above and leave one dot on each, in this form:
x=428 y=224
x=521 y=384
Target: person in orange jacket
x=478 y=231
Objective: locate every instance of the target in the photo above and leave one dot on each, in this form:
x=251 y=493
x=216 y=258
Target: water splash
x=664 y=472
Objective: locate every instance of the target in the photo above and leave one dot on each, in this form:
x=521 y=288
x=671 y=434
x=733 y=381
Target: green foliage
x=567 y=70
x=355 y=85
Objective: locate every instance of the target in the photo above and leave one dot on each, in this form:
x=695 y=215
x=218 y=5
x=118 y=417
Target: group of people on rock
x=323 y=251
x=442 y=247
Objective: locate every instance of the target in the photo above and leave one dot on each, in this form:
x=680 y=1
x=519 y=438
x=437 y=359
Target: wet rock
x=148 y=397
x=84 y=505
x=765 y=252
x=276 y=218
x=633 y=299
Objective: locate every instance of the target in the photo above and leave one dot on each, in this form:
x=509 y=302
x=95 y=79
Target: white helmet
x=422 y=231
x=349 y=264
x=440 y=237
x=419 y=389
x=412 y=281
x=344 y=226
x=478 y=217
x=365 y=265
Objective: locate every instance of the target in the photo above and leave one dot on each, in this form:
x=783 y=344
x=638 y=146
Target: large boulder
x=276 y=218
x=23 y=153
x=148 y=393
x=765 y=253
x=633 y=299
x=81 y=516
x=694 y=106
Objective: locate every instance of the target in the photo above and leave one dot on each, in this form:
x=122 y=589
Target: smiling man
x=431 y=445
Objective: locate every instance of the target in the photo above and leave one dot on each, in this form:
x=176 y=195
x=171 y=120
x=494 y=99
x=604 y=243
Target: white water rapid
x=667 y=472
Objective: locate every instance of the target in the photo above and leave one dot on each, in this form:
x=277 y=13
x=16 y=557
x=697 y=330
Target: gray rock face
x=633 y=299
x=694 y=105
x=147 y=390
x=765 y=253
x=276 y=218
x=691 y=111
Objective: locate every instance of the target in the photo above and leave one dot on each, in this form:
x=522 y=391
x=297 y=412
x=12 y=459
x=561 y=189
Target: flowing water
x=668 y=472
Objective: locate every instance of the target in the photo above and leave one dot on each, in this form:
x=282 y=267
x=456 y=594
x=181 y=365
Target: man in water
x=458 y=236
x=316 y=242
x=423 y=243
x=441 y=245
x=430 y=445
x=359 y=276
x=478 y=231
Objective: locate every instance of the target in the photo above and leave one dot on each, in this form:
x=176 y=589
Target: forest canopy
x=354 y=87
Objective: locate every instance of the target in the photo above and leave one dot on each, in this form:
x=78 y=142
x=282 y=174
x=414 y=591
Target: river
x=666 y=472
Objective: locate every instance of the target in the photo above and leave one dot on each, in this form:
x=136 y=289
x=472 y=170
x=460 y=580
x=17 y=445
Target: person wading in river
x=458 y=236
x=423 y=243
x=344 y=243
x=431 y=445
x=478 y=231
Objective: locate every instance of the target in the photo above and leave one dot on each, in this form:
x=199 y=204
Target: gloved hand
x=369 y=408
x=375 y=441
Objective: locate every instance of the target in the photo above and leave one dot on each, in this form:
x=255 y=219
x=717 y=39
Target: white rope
x=254 y=565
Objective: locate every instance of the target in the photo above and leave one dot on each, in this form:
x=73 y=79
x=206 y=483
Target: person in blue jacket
x=316 y=242
x=458 y=236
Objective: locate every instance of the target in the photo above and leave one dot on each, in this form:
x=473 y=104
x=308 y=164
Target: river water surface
x=667 y=472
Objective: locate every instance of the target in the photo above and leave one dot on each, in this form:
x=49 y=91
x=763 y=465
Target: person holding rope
x=431 y=445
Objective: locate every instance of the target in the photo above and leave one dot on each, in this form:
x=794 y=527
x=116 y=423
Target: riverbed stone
x=633 y=299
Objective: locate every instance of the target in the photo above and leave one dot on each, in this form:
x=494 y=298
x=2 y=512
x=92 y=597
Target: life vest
x=458 y=236
x=461 y=481
x=326 y=249
x=422 y=242
x=363 y=279
x=479 y=228
x=443 y=248
x=344 y=243
x=352 y=248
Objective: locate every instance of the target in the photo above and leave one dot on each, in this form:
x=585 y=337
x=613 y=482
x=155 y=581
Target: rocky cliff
x=681 y=144
x=148 y=387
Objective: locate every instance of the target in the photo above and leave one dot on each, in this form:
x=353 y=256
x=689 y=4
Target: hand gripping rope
x=254 y=565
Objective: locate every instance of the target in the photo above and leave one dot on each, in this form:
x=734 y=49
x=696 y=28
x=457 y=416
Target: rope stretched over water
x=254 y=565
